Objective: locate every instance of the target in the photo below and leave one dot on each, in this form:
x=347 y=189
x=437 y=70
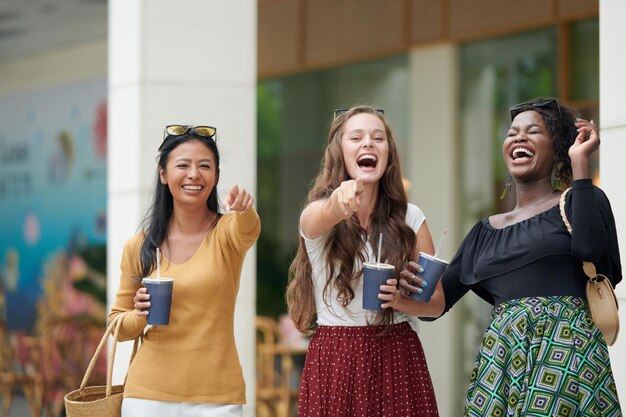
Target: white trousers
x=135 y=407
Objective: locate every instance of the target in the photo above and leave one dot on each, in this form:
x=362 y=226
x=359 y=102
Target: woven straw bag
x=99 y=400
x=600 y=295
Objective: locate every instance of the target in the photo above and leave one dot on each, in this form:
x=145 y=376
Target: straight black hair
x=155 y=223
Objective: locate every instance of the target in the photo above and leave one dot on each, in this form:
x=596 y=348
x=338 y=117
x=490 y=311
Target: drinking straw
x=380 y=245
x=441 y=239
x=158 y=264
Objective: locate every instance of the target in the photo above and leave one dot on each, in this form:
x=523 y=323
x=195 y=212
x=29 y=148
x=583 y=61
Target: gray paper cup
x=160 y=291
x=375 y=275
x=433 y=270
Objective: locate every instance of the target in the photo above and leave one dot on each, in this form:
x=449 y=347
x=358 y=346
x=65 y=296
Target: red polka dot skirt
x=351 y=372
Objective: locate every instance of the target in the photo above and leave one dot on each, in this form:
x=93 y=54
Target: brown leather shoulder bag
x=600 y=295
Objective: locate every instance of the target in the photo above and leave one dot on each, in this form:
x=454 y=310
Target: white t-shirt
x=331 y=312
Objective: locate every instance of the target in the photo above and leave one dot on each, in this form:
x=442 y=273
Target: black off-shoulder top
x=537 y=256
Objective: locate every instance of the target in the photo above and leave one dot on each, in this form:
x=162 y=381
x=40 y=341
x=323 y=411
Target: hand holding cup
x=410 y=282
x=375 y=276
x=389 y=293
x=420 y=280
x=141 y=302
x=161 y=290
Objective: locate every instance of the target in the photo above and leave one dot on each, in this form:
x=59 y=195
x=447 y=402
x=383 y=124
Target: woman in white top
x=359 y=363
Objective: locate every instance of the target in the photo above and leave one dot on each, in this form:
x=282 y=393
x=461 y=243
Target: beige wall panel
x=426 y=21
x=469 y=18
x=279 y=39
x=576 y=8
x=341 y=30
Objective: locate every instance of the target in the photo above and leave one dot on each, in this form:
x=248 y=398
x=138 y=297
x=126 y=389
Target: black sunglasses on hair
x=339 y=112
x=207 y=132
x=546 y=103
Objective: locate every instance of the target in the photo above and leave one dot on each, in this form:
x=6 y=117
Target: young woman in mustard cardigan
x=191 y=366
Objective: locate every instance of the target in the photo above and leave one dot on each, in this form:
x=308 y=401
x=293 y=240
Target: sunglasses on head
x=339 y=112
x=541 y=104
x=207 y=132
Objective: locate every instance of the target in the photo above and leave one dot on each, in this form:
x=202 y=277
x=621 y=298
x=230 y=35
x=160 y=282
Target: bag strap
x=114 y=326
x=562 y=210
x=588 y=267
x=94 y=359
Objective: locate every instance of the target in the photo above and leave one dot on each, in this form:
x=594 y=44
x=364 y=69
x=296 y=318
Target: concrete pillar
x=190 y=62
x=433 y=172
x=613 y=149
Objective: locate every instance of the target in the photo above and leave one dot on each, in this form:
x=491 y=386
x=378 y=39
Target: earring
x=555 y=176
x=508 y=182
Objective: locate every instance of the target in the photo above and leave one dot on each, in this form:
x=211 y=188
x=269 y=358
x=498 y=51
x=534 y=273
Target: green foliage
x=93 y=282
x=272 y=273
x=92 y=287
x=272 y=268
x=268 y=120
x=95 y=257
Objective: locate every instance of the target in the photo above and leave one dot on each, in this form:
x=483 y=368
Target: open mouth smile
x=522 y=154
x=367 y=161
x=192 y=187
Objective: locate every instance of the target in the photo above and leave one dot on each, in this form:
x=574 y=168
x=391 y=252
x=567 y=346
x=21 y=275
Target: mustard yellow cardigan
x=194 y=358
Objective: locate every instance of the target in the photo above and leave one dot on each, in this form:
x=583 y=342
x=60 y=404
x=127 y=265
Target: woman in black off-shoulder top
x=541 y=355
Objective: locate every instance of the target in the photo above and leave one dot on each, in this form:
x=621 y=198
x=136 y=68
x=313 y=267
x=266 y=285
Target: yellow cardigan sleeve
x=244 y=230
x=133 y=325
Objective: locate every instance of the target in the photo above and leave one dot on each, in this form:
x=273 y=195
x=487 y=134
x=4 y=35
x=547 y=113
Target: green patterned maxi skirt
x=542 y=356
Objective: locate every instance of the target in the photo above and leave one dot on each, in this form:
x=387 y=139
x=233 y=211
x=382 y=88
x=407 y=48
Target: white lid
x=432 y=258
x=155 y=280
x=381 y=265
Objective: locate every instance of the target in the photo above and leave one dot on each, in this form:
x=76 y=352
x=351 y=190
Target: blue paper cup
x=433 y=270
x=160 y=290
x=375 y=275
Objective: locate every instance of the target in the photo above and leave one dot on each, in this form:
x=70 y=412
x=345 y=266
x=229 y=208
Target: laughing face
x=528 y=149
x=365 y=147
x=190 y=173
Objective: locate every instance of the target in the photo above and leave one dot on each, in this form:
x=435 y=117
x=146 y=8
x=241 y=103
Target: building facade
x=269 y=73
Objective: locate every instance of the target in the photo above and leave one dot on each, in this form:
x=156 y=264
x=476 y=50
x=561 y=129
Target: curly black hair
x=560 y=121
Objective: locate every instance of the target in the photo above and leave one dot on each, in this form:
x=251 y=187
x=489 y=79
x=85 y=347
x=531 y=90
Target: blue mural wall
x=53 y=146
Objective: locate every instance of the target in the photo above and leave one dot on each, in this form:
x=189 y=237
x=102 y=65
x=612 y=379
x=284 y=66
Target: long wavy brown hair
x=345 y=242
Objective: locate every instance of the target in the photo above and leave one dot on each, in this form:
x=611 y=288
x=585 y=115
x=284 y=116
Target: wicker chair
x=275 y=395
x=7 y=376
x=27 y=357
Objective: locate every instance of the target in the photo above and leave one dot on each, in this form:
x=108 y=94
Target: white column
x=433 y=173
x=190 y=62
x=613 y=149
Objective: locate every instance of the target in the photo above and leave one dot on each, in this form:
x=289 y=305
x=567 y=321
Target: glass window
x=585 y=77
x=496 y=74
x=585 y=60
